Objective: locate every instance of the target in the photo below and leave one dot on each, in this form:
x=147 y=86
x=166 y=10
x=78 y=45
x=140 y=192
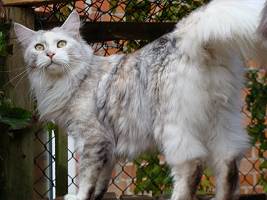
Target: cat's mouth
x=52 y=64
x=54 y=68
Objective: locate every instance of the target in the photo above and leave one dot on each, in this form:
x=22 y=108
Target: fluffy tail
x=230 y=23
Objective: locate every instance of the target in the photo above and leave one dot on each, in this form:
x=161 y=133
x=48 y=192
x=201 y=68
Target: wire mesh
x=127 y=176
x=44 y=159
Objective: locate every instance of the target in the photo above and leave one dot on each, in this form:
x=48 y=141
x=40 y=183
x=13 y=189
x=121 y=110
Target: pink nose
x=50 y=55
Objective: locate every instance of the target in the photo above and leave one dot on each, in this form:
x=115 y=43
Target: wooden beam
x=61 y=140
x=134 y=197
x=106 y=31
x=26 y=2
x=19 y=149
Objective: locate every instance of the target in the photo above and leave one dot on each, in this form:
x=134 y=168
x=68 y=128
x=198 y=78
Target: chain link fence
x=147 y=174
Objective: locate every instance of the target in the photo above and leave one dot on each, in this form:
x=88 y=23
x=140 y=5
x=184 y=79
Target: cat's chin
x=55 y=69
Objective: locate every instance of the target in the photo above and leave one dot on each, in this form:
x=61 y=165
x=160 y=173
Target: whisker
x=16 y=77
x=31 y=96
x=14 y=70
x=19 y=81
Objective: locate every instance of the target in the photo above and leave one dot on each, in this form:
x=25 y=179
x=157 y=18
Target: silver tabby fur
x=180 y=93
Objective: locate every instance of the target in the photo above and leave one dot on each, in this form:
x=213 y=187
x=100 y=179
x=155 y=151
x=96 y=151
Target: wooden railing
x=26 y=2
x=112 y=196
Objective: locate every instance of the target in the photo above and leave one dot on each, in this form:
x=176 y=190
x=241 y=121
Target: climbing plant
x=256 y=102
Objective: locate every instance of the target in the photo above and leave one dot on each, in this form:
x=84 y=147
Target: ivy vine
x=256 y=102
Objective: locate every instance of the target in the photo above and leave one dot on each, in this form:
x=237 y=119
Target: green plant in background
x=12 y=117
x=2 y=43
x=152 y=175
x=4 y=28
x=156 y=11
x=256 y=102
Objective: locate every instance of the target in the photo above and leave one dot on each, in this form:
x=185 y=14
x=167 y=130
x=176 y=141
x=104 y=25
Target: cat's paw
x=70 y=197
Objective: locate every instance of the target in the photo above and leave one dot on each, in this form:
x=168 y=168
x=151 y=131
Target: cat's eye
x=39 y=47
x=61 y=44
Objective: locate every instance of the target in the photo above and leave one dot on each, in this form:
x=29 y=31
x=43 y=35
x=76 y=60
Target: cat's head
x=55 y=51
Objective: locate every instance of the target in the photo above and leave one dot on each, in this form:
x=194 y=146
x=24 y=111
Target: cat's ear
x=72 y=23
x=24 y=34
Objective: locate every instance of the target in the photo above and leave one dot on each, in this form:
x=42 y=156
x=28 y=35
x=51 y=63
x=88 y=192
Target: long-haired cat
x=180 y=93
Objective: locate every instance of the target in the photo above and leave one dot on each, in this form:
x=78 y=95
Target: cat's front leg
x=95 y=156
x=95 y=149
x=103 y=180
x=70 y=197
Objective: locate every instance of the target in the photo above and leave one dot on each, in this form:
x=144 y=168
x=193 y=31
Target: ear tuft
x=72 y=23
x=23 y=33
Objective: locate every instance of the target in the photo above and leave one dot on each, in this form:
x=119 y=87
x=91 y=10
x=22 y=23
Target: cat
x=180 y=93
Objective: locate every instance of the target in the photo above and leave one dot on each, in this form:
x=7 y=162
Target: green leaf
x=263 y=165
x=15 y=118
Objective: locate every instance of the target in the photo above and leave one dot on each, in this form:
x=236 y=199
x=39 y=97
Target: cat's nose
x=50 y=54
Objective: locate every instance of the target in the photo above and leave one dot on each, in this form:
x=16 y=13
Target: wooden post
x=18 y=91
x=18 y=86
x=61 y=162
x=18 y=148
x=16 y=165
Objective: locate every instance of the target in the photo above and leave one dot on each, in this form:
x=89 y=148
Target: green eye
x=39 y=47
x=61 y=43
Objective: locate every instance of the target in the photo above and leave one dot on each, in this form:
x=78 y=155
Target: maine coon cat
x=180 y=93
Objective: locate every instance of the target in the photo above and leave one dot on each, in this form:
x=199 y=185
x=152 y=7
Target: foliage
x=4 y=28
x=156 y=11
x=13 y=117
x=256 y=102
x=2 y=44
x=152 y=175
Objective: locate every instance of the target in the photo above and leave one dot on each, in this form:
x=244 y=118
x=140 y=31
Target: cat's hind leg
x=227 y=179
x=227 y=146
x=187 y=177
x=185 y=154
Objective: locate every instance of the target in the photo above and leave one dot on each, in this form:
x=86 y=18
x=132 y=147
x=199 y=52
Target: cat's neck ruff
x=53 y=92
